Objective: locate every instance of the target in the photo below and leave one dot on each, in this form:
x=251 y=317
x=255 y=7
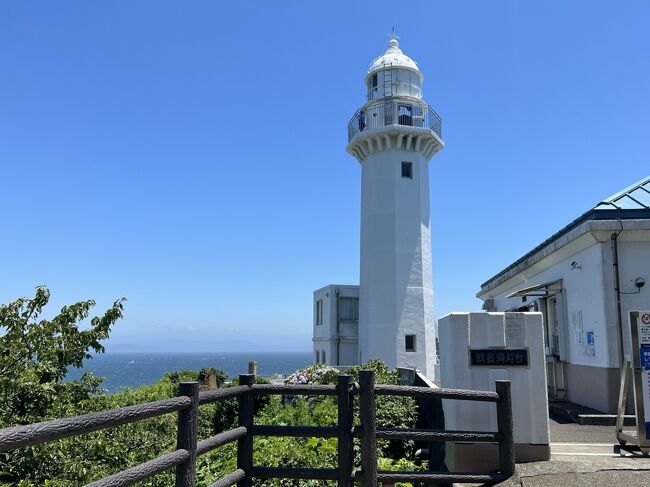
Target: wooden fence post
x=245 y=444
x=345 y=421
x=368 y=414
x=505 y=427
x=186 y=438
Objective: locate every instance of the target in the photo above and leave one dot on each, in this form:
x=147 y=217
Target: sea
x=133 y=369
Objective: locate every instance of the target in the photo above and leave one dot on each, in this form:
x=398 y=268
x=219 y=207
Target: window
x=372 y=87
x=409 y=342
x=323 y=357
x=349 y=309
x=407 y=170
x=319 y=312
x=317 y=356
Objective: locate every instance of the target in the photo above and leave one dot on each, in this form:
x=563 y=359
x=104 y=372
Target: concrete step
x=589 y=449
x=575 y=452
x=564 y=410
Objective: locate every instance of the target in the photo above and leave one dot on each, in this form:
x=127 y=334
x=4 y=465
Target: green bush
x=37 y=354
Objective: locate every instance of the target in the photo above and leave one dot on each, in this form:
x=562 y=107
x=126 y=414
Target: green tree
x=35 y=354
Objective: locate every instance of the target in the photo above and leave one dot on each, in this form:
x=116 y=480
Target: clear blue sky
x=190 y=156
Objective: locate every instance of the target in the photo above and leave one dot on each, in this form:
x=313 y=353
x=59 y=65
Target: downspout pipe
x=617 y=291
x=337 y=292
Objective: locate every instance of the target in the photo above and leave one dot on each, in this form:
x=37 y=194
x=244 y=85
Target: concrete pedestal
x=476 y=349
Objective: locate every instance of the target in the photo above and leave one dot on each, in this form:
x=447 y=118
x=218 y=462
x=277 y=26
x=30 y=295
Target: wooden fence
x=189 y=447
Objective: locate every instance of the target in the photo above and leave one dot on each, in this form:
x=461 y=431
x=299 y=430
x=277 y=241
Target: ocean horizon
x=132 y=369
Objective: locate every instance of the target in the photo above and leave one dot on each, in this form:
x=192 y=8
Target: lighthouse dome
x=394 y=57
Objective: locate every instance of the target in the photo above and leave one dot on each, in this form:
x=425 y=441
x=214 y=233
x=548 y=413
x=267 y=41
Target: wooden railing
x=189 y=447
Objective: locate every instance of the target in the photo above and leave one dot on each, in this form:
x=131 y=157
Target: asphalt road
x=578 y=433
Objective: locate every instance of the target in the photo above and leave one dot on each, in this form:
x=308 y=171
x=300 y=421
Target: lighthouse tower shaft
x=393 y=136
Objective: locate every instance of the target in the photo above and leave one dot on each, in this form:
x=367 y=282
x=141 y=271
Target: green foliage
x=392 y=411
x=35 y=354
x=34 y=357
x=400 y=465
x=296 y=452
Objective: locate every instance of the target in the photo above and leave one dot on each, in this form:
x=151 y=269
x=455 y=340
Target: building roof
x=635 y=197
x=631 y=203
x=394 y=57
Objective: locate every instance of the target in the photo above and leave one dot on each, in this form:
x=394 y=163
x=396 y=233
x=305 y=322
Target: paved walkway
x=584 y=455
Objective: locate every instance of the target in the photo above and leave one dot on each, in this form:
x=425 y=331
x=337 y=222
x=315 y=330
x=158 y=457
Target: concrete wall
x=461 y=331
x=325 y=335
x=396 y=292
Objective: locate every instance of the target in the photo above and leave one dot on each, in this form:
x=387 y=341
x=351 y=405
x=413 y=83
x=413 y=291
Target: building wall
x=590 y=300
x=396 y=293
x=634 y=262
x=585 y=313
x=325 y=335
x=583 y=295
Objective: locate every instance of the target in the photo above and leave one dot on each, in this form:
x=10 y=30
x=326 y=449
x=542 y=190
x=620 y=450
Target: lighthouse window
x=407 y=170
x=409 y=343
x=319 y=312
x=372 y=87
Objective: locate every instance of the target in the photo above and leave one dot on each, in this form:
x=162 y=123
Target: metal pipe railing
x=393 y=112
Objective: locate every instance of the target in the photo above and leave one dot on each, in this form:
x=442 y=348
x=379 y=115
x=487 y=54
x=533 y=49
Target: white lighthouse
x=393 y=136
x=390 y=315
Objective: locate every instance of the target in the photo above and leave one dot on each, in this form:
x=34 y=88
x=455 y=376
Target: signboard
x=515 y=330
x=498 y=357
x=644 y=363
x=636 y=372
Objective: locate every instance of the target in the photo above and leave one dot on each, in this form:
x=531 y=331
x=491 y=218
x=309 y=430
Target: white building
x=393 y=136
x=572 y=279
x=336 y=325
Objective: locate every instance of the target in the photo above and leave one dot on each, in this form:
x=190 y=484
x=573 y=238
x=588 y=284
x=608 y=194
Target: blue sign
x=644 y=354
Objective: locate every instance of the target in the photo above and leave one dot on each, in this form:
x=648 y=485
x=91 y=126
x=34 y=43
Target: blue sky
x=191 y=156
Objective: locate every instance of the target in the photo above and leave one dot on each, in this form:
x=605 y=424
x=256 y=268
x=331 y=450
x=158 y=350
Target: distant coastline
x=133 y=369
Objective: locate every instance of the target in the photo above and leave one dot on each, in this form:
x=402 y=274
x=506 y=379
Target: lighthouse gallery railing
x=189 y=447
x=393 y=112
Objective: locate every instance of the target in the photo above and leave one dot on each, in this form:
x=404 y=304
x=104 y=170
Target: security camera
x=639 y=282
